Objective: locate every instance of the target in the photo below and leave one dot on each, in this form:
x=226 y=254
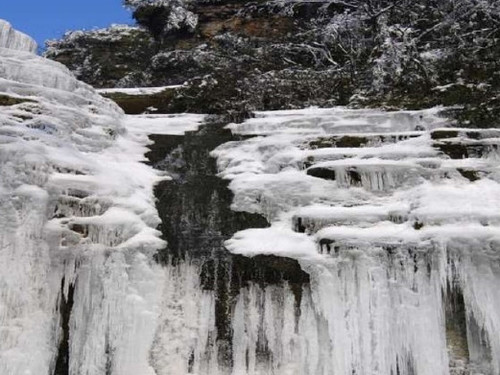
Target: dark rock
x=443 y=134
x=65 y=307
x=458 y=150
x=117 y=56
x=469 y=174
x=456 y=322
x=326 y=246
x=6 y=100
x=324 y=173
x=335 y=141
x=297 y=225
x=351 y=141
x=417 y=225
x=453 y=150
x=354 y=177
x=137 y=104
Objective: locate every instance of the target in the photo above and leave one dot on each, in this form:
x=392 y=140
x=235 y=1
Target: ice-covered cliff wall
x=397 y=223
x=379 y=254
x=78 y=284
x=13 y=39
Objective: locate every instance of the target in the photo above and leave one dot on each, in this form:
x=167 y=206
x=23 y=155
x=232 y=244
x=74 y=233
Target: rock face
x=240 y=56
x=105 y=58
x=13 y=39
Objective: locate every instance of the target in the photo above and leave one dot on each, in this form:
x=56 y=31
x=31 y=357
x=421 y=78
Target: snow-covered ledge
x=13 y=39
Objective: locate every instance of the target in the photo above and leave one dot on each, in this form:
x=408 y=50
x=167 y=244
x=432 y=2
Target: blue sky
x=49 y=19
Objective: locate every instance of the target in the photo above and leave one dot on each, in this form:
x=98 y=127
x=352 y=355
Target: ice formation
x=395 y=218
x=77 y=229
x=13 y=39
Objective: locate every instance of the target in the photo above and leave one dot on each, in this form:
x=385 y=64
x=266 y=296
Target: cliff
x=239 y=56
x=305 y=242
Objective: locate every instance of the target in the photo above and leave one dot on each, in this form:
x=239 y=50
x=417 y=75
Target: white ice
x=13 y=39
x=78 y=211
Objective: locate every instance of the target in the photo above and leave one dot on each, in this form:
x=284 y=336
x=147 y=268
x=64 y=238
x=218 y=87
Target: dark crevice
x=354 y=177
x=65 y=307
x=456 y=322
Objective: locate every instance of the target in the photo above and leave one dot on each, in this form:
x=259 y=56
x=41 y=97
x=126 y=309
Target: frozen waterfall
x=79 y=289
x=313 y=242
x=399 y=235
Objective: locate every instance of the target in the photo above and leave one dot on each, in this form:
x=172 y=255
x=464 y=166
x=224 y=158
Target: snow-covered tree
x=404 y=44
x=163 y=17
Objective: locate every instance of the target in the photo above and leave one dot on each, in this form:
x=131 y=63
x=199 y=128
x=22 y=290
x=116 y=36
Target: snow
x=450 y=202
x=338 y=121
x=137 y=90
x=381 y=238
x=164 y=124
x=275 y=241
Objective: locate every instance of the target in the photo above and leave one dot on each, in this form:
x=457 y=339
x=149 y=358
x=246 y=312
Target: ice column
x=13 y=39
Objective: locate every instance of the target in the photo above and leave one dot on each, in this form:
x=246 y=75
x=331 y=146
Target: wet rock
x=65 y=307
x=456 y=324
x=453 y=150
x=459 y=150
x=443 y=134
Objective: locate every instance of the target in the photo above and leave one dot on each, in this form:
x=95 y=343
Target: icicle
x=185 y=340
